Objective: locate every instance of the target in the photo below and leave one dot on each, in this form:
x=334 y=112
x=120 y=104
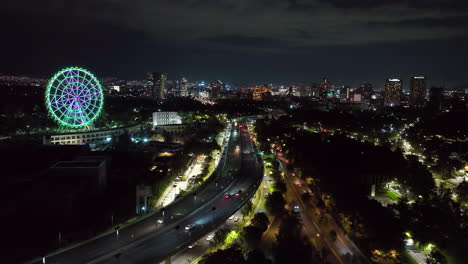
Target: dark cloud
x=452 y=22
x=431 y=4
x=140 y=35
x=243 y=41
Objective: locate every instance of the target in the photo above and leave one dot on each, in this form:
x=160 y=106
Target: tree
x=436 y=258
x=220 y=236
x=250 y=237
x=462 y=191
x=280 y=186
x=306 y=196
x=257 y=257
x=275 y=203
x=247 y=208
x=231 y=255
x=292 y=245
x=261 y=221
x=333 y=235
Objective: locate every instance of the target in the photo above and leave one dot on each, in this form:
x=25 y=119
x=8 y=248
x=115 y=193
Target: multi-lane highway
x=147 y=241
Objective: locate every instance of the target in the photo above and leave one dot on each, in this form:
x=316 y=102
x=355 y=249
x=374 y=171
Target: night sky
x=240 y=41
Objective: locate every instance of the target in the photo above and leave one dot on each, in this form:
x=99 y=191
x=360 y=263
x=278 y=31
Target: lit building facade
x=183 y=88
x=166 y=118
x=158 y=84
x=258 y=91
x=392 y=92
x=80 y=138
x=417 y=97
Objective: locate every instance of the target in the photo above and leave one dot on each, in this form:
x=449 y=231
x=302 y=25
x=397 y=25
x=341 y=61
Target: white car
x=236 y=219
x=193 y=245
x=231 y=217
x=209 y=237
x=189 y=227
x=160 y=221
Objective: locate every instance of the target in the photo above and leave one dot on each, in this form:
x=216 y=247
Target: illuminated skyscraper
x=216 y=89
x=183 y=87
x=158 y=84
x=258 y=92
x=417 y=96
x=324 y=88
x=392 y=92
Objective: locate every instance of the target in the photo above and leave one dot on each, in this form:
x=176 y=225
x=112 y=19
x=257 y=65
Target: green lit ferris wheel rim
x=74 y=97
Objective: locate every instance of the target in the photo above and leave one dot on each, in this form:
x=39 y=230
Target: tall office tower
x=183 y=87
x=314 y=89
x=158 y=84
x=392 y=92
x=216 y=89
x=366 y=92
x=436 y=95
x=417 y=96
x=324 y=88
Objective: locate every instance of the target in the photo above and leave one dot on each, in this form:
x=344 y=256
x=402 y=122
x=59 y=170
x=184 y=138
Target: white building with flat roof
x=166 y=118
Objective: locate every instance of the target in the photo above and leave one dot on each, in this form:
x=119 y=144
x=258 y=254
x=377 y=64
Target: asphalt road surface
x=147 y=241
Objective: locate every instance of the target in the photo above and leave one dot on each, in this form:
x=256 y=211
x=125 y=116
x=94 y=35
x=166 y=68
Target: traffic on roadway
x=187 y=219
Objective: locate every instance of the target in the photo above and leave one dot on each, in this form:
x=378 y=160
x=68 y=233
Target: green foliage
x=231 y=255
x=462 y=192
x=250 y=237
x=292 y=245
x=275 y=203
x=220 y=236
x=280 y=186
x=333 y=235
x=436 y=257
x=257 y=257
x=247 y=208
x=261 y=221
x=306 y=197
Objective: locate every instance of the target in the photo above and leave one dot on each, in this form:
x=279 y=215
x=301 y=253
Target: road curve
x=149 y=242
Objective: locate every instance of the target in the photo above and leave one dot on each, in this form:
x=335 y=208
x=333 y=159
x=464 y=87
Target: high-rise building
x=417 y=97
x=436 y=95
x=392 y=92
x=183 y=87
x=216 y=89
x=158 y=84
x=259 y=91
x=366 y=92
x=324 y=88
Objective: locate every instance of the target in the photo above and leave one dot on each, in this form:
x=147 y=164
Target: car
x=299 y=185
x=209 y=237
x=236 y=219
x=296 y=208
x=227 y=196
x=231 y=217
x=189 y=227
x=193 y=245
x=160 y=221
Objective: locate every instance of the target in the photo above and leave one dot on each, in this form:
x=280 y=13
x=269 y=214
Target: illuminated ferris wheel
x=74 y=98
